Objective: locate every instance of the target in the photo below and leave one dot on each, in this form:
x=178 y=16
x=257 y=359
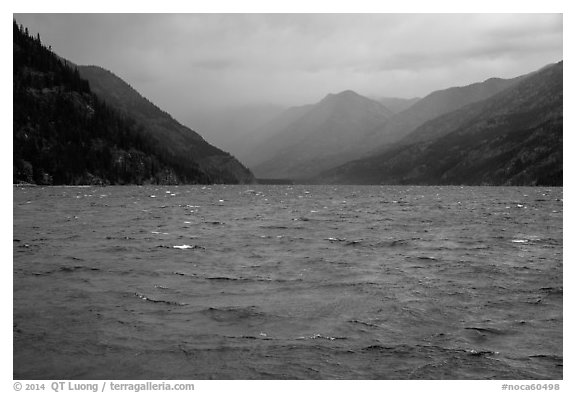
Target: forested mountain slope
x=64 y=134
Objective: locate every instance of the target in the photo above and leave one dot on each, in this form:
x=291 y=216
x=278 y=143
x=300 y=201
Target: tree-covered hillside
x=65 y=134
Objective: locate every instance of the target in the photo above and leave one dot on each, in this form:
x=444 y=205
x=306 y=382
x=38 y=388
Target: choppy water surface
x=313 y=282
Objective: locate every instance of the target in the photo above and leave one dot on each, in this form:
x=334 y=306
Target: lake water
x=287 y=282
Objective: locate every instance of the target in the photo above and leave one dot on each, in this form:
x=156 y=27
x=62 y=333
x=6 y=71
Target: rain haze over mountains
x=231 y=77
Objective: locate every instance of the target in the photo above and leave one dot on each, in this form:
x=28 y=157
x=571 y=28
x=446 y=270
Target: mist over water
x=288 y=282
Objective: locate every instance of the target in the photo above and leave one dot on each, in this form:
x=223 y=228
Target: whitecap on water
x=183 y=247
x=320 y=336
x=187 y=247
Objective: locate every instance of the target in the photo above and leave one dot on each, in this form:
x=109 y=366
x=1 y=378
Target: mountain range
x=513 y=137
x=342 y=127
x=312 y=138
x=85 y=125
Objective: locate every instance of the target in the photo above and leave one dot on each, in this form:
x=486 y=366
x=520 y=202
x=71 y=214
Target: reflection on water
x=313 y=282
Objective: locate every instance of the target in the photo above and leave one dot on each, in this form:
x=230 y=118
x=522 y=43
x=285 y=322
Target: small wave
x=321 y=337
x=65 y=269
x=261 y=336
x=474 y=352
x=224 y=278
x=395 y=243
x=235 y=314
x=336 y=239
x=183 y=247
x=185 y=274
x=552 y=290
x=555 y=358
x=356 y=321
x=363 y=323
x=186 y=247
x=146 y=298
x=379 y=348
x=180 y=274
x=69 y=269
x=243 y=279
x=485 y=330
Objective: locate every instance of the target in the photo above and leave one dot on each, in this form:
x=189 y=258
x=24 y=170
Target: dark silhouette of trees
x=64 y=134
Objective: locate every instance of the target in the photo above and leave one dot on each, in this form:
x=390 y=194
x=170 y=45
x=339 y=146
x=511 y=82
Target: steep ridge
x=317 y=137
x=64 y=134
x=179 y=140
x=433 y=105
x=511 y=138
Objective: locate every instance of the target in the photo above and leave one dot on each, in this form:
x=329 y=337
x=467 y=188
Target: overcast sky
x=186 y=62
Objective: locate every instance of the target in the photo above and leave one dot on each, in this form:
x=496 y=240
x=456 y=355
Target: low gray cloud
x=214 y=64
x=187 y=62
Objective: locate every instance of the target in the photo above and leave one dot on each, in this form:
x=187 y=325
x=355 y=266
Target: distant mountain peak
x=350 y=93
x=493 y=79
x=346 y=94
x=323 y=135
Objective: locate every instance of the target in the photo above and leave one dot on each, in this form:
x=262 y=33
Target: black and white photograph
x=287 y=196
